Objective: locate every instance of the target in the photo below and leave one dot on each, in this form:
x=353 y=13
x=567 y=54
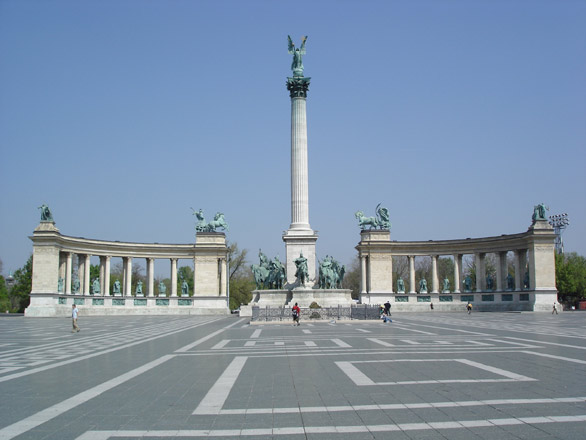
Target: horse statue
x=261 y=271
x=331 y=274
x=218 y=222
x=363 y=221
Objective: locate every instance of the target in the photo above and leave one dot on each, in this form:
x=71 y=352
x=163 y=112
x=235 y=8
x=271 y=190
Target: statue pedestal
x=323 y=297
x=297 y=242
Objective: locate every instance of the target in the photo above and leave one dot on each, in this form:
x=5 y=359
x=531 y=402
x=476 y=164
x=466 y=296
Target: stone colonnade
x=533 y=261
x=55 y=280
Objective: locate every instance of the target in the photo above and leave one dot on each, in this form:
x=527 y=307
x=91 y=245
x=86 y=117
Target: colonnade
x=519 y=263
x=66 y=273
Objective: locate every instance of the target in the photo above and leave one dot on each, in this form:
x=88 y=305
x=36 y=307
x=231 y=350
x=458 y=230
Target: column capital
x=298 y=86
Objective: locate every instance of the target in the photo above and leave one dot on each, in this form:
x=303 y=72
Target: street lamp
x=559 y=223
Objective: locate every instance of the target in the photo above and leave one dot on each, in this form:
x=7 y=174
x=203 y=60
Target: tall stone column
x=363 y=274
x=434 y=280
x=128 y=277
x=174 y=277
x=457 y=272
x=68 y=272
x=501 y=271
x=86 y=276
x=518 y=270
x=102 y=275
x=151 y=276
x=299 y=238
x=412 y=288
x=223 y=277
x=107 y=277
x=480 y=272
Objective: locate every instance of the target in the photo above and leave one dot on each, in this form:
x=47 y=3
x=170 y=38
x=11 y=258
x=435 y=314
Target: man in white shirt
x=74 y=311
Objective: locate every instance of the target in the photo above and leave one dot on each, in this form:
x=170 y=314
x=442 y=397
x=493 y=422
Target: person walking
x=387 y=308
x=74 y=311
x=469 y=307
x=555 y=309
x=296 y=311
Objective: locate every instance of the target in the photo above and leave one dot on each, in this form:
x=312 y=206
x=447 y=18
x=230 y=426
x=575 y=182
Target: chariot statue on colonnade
x=203 y=226
x=380 y=221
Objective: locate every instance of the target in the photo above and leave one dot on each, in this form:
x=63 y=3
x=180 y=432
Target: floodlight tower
x=559 y=223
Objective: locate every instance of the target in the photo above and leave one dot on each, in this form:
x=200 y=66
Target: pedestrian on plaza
x=296 y=313
x=555 y=310
x=431 y=306
x=388 y=308
x=469 y=307
x=74 y=311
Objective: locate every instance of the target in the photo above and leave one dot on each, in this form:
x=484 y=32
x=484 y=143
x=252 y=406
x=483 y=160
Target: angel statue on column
x=297 y=64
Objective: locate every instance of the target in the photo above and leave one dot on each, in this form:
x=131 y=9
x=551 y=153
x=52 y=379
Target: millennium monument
x=514 y=272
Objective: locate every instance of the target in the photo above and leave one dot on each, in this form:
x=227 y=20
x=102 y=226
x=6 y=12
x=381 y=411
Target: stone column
x=480 y=272
x=62 y=269
x=523 y=264
x=299 y=238
x=363 y=286
x=151 y=276
x=68 y=274
x=412 y=274
x=501 y=271
x=518 y=271
x=223 y=277
x=194 y=277
x=434 y=280
x=80 y=272
x=174 y=277
x=128 y=277
x=102 y=275
x=86 y=276
x=107 y=277
x=457 y=272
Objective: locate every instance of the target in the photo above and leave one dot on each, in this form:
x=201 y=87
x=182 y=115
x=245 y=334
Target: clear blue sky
x=459 y=116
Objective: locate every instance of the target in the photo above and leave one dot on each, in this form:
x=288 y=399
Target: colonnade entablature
x=532 y=254
x=61 y=275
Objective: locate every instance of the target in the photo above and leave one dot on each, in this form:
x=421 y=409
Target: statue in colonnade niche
x=75 y=285
x=162 y=289
x=489 y=282
x=380 y=221
x=423 y=286
x=96 y=286
x=539 y=212
x=400 y=285
x=510 y=282
x=138 y=291
x=446 y=286
x=302 y=273
x=46 y=215
x=116 y=288
x=60 y=282
x=217 y=222
x=467 y=284
x=184 y=288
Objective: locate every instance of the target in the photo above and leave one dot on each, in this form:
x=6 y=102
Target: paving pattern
x=423 y=376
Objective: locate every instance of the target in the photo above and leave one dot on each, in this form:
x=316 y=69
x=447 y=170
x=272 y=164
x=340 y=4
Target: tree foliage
x=240 y=278
x=352 y=278
x=570 y=276
x=19 y=294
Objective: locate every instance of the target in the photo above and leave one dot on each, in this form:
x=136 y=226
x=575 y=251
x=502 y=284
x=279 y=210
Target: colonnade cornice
x=502 y=243
x=81 y=245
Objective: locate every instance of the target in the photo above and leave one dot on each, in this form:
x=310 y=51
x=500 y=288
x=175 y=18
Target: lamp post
x=559 y=222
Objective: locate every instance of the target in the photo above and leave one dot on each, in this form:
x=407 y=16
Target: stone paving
x=423 y=376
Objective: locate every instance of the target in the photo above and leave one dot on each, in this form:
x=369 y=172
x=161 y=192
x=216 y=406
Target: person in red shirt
x=296 y=313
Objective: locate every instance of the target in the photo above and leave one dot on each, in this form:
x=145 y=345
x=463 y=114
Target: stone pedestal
x=297 y=242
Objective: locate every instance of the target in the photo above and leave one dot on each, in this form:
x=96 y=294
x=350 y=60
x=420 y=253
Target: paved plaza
x=423 y=376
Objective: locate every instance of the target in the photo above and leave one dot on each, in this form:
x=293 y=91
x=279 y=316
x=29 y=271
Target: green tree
x=240 y=277
x=570 y=276
x=352 y=278
x=20 y=293
x=94 y=273
x=4 y=300
x=185 y=273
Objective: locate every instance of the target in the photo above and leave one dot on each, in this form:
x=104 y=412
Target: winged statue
x=297 y=64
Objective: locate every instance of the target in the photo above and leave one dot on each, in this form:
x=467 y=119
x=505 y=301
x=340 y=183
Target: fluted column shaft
x=299 y=166
x=412 y=274
x=68 y=274
x=174 y=277
x=434 y=280
x=151 y=276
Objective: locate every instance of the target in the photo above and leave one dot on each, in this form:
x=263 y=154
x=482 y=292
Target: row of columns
x=520 y=262
x=66 y=272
